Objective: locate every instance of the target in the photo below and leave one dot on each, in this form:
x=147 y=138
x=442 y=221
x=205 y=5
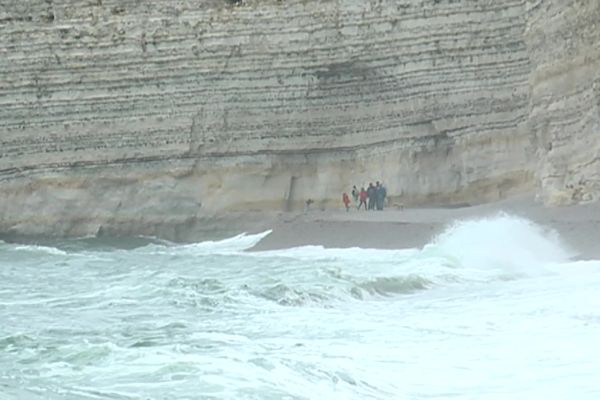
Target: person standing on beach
x=355 y=195
x=380 y=194
x=346 y=201
x=363 y=198
x=371 y=196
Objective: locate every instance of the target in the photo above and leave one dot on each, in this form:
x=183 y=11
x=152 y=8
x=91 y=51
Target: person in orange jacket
x=346 y=201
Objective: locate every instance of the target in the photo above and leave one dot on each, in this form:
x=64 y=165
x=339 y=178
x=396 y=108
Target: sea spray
x=501 y=242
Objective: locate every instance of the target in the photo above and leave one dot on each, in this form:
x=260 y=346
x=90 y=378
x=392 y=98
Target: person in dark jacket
x=371 y=196
x=380 y=194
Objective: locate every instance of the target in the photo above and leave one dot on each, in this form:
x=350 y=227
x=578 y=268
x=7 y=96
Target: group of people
x=373 y=198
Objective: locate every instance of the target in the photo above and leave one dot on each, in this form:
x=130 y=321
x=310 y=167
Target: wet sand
x=394 y=228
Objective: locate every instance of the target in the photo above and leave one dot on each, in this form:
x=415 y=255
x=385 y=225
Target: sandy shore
x=578 y=226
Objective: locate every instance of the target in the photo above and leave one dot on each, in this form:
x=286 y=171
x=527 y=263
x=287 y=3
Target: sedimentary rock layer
x=129 y=114
x=563 y=41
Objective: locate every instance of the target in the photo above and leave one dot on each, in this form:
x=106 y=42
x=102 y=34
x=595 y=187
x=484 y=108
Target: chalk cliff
x=141 y=117
x=563 y=41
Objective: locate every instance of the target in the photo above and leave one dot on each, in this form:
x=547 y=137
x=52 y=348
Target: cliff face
x=124 y=115
x=563 y=38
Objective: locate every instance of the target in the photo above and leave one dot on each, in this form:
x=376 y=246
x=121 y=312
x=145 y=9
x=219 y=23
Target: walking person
x=363 y=198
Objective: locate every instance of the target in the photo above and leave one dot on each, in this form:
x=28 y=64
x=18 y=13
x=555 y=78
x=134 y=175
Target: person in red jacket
x=346 y=201
x=363 y=198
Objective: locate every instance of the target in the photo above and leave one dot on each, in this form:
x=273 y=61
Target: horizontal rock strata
x=563 y=38
x=124 y=115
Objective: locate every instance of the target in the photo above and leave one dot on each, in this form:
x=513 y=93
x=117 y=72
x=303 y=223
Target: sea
x=493 y=308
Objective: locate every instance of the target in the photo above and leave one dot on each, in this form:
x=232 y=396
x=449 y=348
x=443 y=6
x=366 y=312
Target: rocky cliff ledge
x=122 y=116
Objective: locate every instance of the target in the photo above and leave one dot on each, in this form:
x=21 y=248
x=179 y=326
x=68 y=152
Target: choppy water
x=492 y=309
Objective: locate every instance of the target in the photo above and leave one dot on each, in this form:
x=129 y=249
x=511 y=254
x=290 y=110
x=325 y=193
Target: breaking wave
x=497 y=248
x=502 y=242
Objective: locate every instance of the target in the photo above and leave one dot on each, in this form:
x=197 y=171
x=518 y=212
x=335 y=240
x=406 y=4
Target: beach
x=578 y=227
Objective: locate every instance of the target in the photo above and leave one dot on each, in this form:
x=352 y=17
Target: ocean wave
x=503 y=242
x=43 y=249
x=386 y=286
x=89 y=354
x=240 y=242
x=499 y=248
x=320 y=253
x=342 y=287
x=16 y=342
x=285 y=295
x=232 y=245
x=203 y=286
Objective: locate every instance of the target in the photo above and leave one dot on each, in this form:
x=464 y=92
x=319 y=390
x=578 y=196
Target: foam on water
x=505 y=242
x=211 y=320
x=495 y=248
x=41 y=249
x=232 y=245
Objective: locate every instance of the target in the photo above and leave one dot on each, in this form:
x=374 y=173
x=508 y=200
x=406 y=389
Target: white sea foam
x=183 y=321
x=502 y=242
x=231 y=245
x=234 y=244
x=41 y=249
x=494 y=248
x=314 y=253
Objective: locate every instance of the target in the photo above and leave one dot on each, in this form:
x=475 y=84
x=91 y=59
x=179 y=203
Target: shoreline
x=578 y=226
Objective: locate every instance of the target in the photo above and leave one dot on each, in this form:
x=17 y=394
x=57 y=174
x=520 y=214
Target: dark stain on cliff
x=335 y=71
